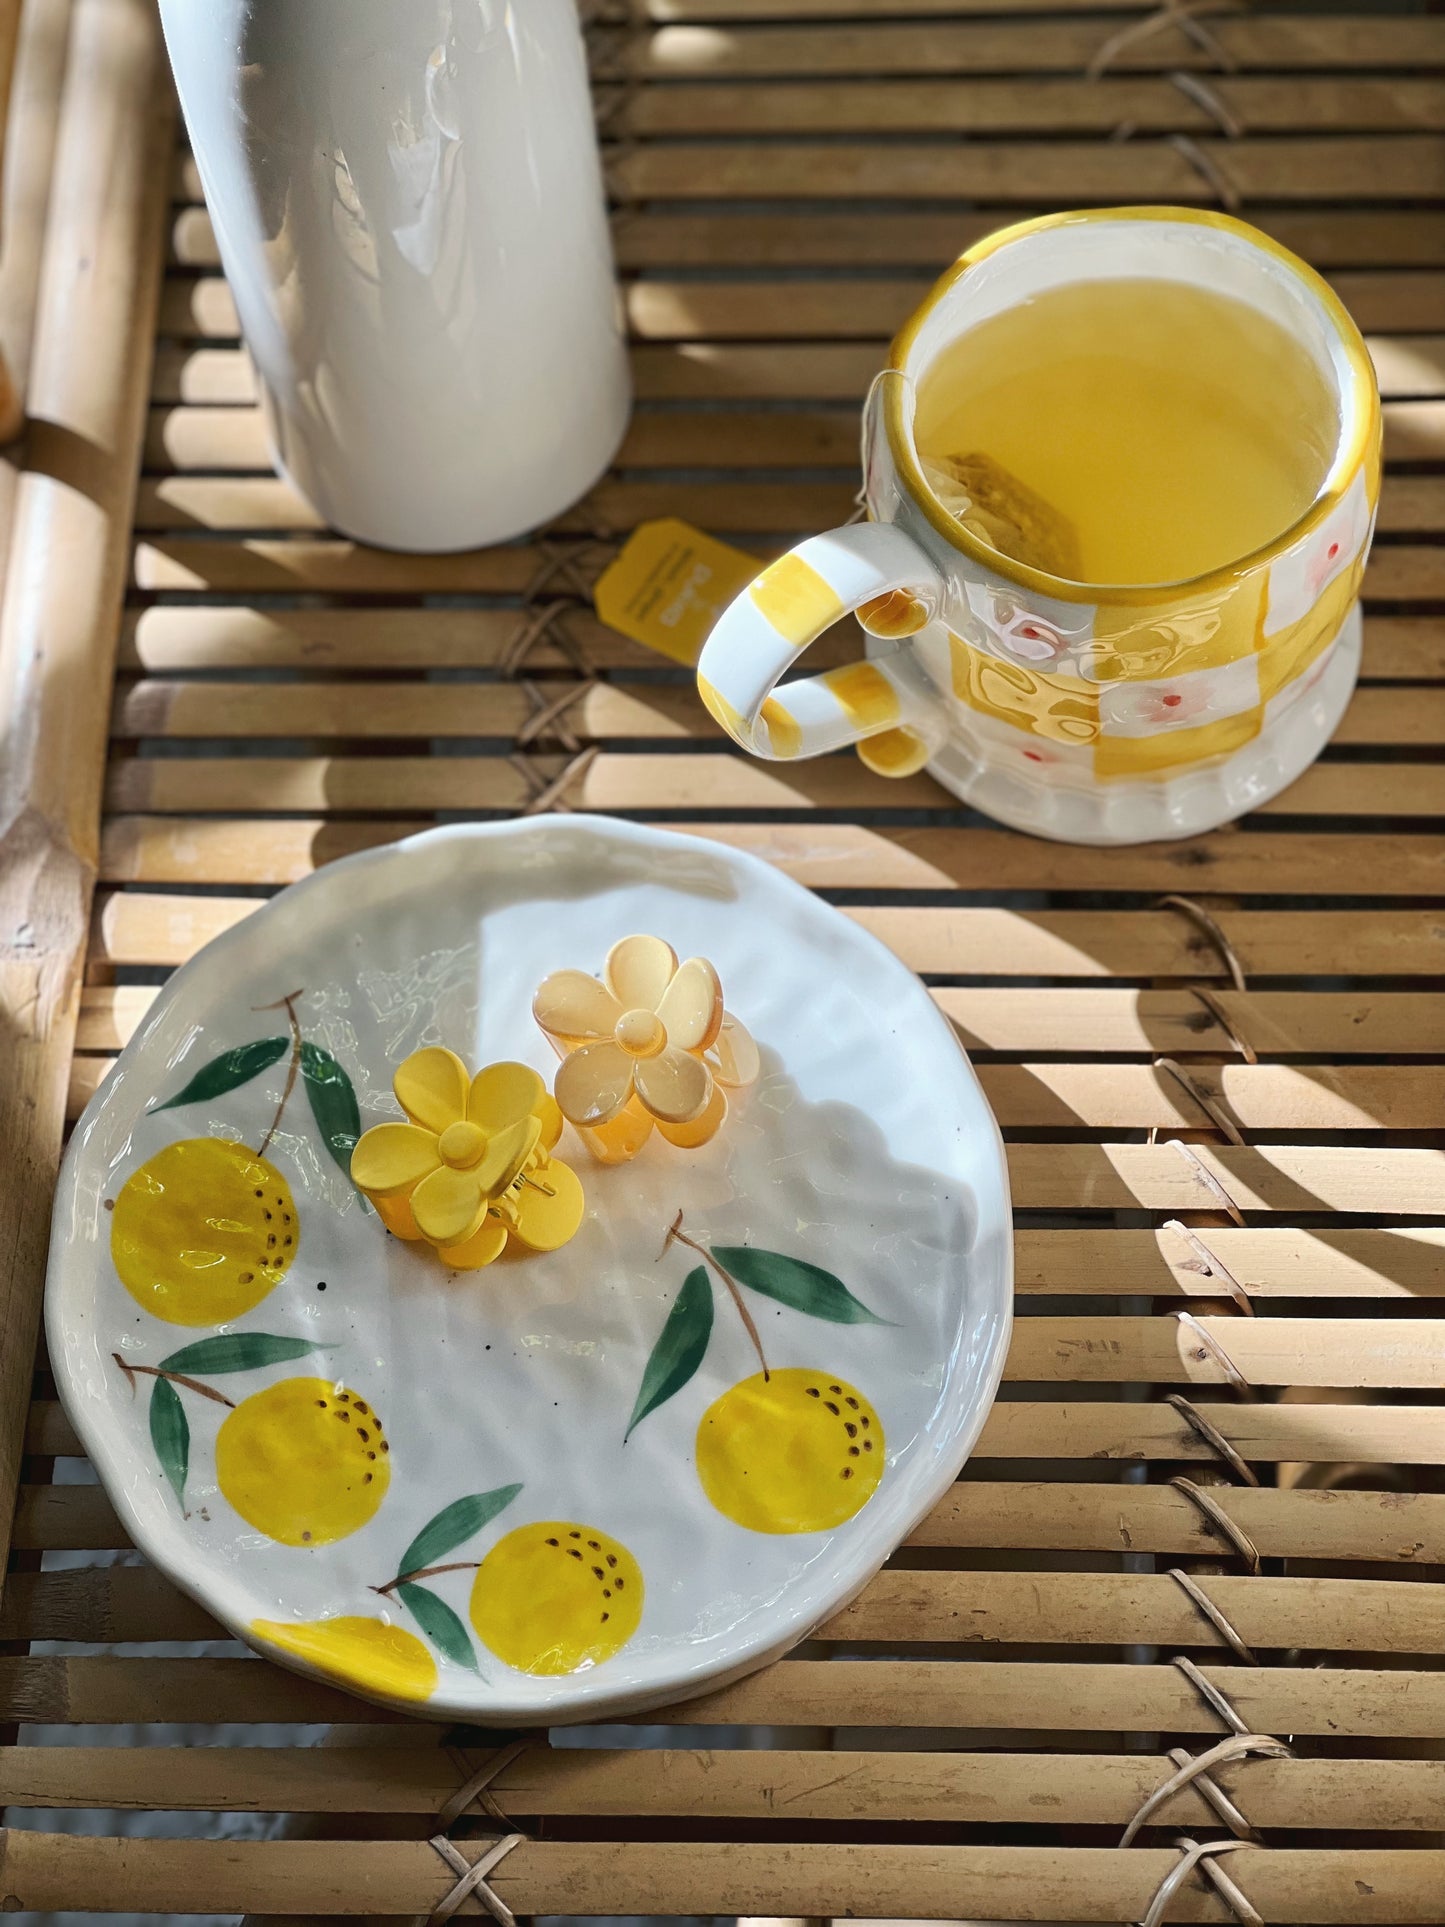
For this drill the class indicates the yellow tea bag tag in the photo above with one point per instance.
(669, 586)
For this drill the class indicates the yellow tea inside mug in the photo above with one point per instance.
(1126, 431)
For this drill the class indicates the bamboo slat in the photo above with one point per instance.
(403, 1877)
(702, 236)
(824, 855)
(1401, 167)
(1094, 1428)
(1087, 1789)
(1257, 103)
(1330, 237)
(970, 943)
(1392, 302)
(1141, 1097)
(1070, 1697)
(1014, 1515)
(1356, 45)
(897, 1608)
(634, 781)
(1409, 367)
(1327, 1024)
(233, 439)
(253, 505)
(393, 711)
(360, 640)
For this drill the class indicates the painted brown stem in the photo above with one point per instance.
(288, 1004)
(676, 1235)
(426, 1572)
(172, 1378)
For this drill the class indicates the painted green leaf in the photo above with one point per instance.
(238, 1352)
(803, 1287)
(454, 1525)
(171, 1436)
(440, 1624)
(229, 1071)
(679, 1349)
(333, 1103)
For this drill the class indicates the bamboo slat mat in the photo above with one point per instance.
(1228, 1158)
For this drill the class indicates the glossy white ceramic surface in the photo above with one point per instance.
(866, 1148)
(409, 208)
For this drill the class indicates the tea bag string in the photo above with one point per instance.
(866, 443)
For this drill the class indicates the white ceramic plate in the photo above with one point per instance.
(865, 1150)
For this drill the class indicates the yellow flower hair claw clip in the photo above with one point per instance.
(472, 1171)
(647, 1047)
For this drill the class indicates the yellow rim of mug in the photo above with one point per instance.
(1364, 397)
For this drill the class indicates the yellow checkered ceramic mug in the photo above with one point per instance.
(1094, 714)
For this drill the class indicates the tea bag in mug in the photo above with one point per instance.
(999, 509)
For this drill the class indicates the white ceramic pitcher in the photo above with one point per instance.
(409, 208)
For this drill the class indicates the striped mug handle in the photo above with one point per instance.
(760, 635)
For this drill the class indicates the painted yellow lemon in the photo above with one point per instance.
(357, 1652)
(305, 1461)
(556, 1597)
(203, 1231)
(797, 1452)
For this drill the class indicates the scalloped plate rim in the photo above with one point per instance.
(597, 1705)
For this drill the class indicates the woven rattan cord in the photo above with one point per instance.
(1216, 1617)
(549, 717)
(1219, 1118)
(1208, 170)
(1198, 1770)
(1201, 1853)
(1205, 165)
(1213, 1698)
(472, 1880)
(565, 566)
(1214, 1004)
(1212, 1437)
(474, 1789)
(1207, 1178)
(1203, 95)
(472, 1877)
(610, 103)
(1208, 1266)
(543, 625)
(1215, 1514)
(550, 794)
(1209, 1346)
(1182, 14)
(1202, 920)
(1210, 1789)
(1241, 1745)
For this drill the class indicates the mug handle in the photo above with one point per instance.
(763, 631)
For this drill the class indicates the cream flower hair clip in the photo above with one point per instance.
(649, 1046)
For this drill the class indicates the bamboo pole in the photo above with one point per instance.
(60, 615)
